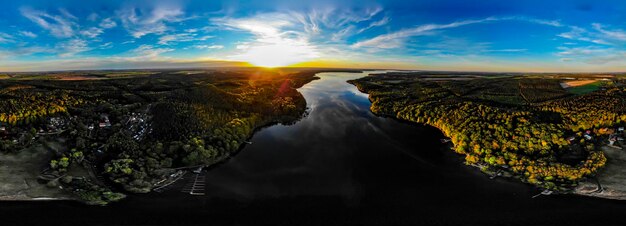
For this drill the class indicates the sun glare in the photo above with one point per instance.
(277, 55)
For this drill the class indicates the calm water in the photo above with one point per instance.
(340, 165)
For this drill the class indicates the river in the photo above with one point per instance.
(340, 165)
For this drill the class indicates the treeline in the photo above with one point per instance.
(157, 123)
(202, 124)
(593, 110)
(523, 139)
(23, 107)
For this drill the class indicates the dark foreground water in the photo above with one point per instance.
(341, 165)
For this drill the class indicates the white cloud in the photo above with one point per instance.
(140, 22)
(382, 22)
(581, 34)
(506, 50)
(597, 35)
(27, 50)
(107, 45)
(182, 37)
(576, 33)
(610, 34)
(149, 52)
(60, 26)
(343, 33)
(277, 39)
(6, 38)
(280, 38)
(397, 39)
(72, 47)
(28, 34)
(595, 55)
(67, 14)
(107, 23)
(553, 23)
(92, 32)
(208, 46)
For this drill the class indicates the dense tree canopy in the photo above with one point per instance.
(516, 124)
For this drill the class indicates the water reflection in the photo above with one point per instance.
(326, 153)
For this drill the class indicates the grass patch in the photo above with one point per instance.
(591, 87)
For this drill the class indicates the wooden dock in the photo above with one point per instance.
(197, 186)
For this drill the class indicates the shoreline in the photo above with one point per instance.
(610, 182)
(584, 188)
(21, 183)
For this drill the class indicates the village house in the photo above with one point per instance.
(3, 130)
(104, 121)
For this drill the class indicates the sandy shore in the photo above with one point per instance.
(18, 177)
(610, 183)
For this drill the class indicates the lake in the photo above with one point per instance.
(339, 165)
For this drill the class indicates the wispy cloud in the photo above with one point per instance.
(616, 34)
(60, 26)
(140, 22)
(108, 23)
(182, 37)
(6, 38)
(208, 46)
(382, 22)
(332, 18)
(505, 50)
(107, 45)
(597, 34)
(275, 34)
(92, 32)
(596, 55)
(581, 34)
(397, 39)
(294, 36)
(149, 52)
(72, 47)
(28, 34)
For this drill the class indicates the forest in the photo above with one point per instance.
(134, 129)
(528, 126)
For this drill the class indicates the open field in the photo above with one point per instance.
(586, 88)
(77, 78)
(576, 83)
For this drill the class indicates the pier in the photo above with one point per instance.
(197, 186)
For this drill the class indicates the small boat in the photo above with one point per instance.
(247, 142)
(445, 140)
(544, 192)
(496, 174)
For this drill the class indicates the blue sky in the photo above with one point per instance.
(431, 35)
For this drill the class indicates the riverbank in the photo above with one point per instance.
(610, 182)
(19, 174)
